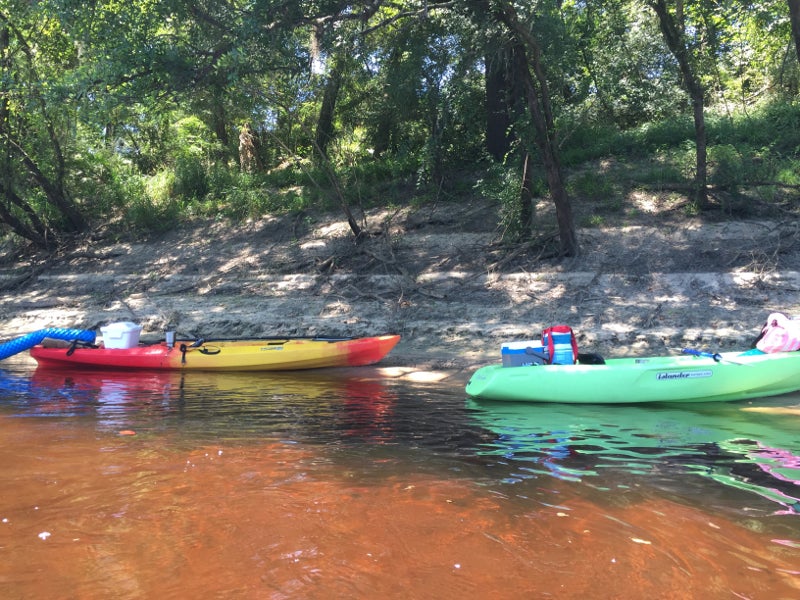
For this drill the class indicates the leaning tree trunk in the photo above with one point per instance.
(33, 230)
(53, 189)
(53, 186)
(672, 29)
(15, 212)
(325, 129)
(537, 97)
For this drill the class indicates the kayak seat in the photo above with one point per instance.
(590, 358)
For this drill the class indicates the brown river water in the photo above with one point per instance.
(352, 485)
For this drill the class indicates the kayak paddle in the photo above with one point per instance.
(715, 355)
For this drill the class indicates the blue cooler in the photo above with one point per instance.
(523, 354)
(562, 348)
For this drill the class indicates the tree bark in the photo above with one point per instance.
(537, 96)
(53, 186)
(325, 129)
(53, 189)
(33, 230)
(219, 121)
(498, 106)
(672, 29)
(526, 195)
(794, 18)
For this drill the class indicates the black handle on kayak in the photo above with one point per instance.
(184, 348)
(716, 356)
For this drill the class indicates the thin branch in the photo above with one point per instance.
(407, 14)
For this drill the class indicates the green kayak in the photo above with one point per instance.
(694, 377)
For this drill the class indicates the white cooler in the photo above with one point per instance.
(121, 335)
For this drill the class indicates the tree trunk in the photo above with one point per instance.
(526, 196)
(538, 102)
(33, 230)
(52, 187)
(219, 121)
(672, 30)
(498, 114)
(794, 17)
(325, 129)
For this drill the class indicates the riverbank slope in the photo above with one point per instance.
(653, 282)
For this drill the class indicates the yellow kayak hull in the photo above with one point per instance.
(287, 354)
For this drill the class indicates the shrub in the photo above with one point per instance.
(191, 181)
(725, 167)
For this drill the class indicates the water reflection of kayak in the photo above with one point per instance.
(720, 440)
(622, 429)
(312, 384)
(63, 392)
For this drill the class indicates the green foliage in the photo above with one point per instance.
(788, 172)
(726, 167)
(190, 181)
(745, 147)
(669, 133)
(97, 180)
(133, 109)
(595, 187)
(588, 142)
(144, 203)
(775, 125)
(144, 213)
(244, 202)
(584, 141)
(503, 185)
(658, 171)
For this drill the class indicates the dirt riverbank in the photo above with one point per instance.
(652, 283)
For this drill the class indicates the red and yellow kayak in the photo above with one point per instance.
(278, 354)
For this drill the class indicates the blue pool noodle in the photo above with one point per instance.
(29, 340)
